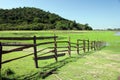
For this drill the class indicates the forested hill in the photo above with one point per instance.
(28, 18)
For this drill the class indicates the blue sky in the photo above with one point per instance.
(99, 14)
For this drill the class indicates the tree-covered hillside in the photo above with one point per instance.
(28, 18)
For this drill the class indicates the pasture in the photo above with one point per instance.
(94, 65)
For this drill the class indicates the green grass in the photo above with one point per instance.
(99, 65)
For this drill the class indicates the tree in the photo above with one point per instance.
(29, 18)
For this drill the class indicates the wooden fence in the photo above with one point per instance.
(80, 45)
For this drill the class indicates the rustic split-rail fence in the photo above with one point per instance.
(79, 45)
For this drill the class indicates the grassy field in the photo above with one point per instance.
(95, 65)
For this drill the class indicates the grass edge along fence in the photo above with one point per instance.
(86, 44)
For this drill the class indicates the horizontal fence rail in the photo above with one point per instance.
(84, 45)
(16, 44)
(27, 38)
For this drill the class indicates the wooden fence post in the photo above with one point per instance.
(55, 48)
(94, 45)
(69, 47)
(77, 46)
(88, 45)
(35, 52)
(84, 46)
(0, 55)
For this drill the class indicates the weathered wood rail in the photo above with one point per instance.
(80, 45)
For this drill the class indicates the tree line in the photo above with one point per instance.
(30, 18)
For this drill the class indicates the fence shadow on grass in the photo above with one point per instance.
(49, 69)
(53, 67)
(5, 78)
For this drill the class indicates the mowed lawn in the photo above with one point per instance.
(103, 64)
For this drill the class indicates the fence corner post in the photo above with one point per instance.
(69, 47)
(77, 46)
(55, 48)
(84, 47)
(0, 60)
(0, 56)
(88, 45)
(35, 52)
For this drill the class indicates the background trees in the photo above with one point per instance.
(28, 18)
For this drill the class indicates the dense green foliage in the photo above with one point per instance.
(36, 19)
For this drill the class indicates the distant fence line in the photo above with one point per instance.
(84, 45)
